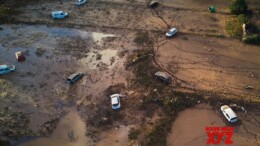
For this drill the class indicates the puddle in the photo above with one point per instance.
(70, 131)
(189, 127)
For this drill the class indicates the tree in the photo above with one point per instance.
(238, 7)
(242, 18)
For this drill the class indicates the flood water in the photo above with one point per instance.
(70, 131)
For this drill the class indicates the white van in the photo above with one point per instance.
(229, 113)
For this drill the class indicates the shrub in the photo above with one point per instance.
(242, 18)
(133, 133)
(234, 29)
(238, 7)
(254, 39)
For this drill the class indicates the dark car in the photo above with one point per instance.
(153, 4)
(75, 77)
(163, 76)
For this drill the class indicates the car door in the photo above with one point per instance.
(2, 71)
(7, 70)
(76, 78)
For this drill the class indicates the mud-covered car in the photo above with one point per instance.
(171, 32)
(163, 76)
(228, 113)
(80, 2)
(59, 14)
(153, 4)
(115, 101)
(75, 77)
(4, 69)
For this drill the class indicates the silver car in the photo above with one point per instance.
(59, 14)
(171, 32)
(163, 76)
(80, 2)
(75, 77)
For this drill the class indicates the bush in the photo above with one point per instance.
(242, 18)
(238, 7)
(133, 133)
(234, 29)
(254, 39)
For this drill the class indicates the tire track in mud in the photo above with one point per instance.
(185, 84)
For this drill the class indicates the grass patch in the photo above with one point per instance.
(234, 29)
(158, 134)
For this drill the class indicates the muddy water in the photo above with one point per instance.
(189, 127)
(70, 131)
(115, 137)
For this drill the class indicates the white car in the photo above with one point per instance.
(229, 113)
(171, 32)
(59, 14)
(4, 69)
(80, 2)
(115, 101)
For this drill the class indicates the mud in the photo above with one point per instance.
(100, 39)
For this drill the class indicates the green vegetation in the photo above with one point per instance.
(238, 7)
(234, 29)
(254, 39)
(158, 135)
(7, 89)
(243, 19)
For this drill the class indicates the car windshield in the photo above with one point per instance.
(115, 104)
(234, 118)
(173, 31)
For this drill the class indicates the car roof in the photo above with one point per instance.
(74, 74)
(114, 100)
(173, 29)
(153, 2)
(57, 12)
(3, 66)
(163, 74)
(229, 111)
